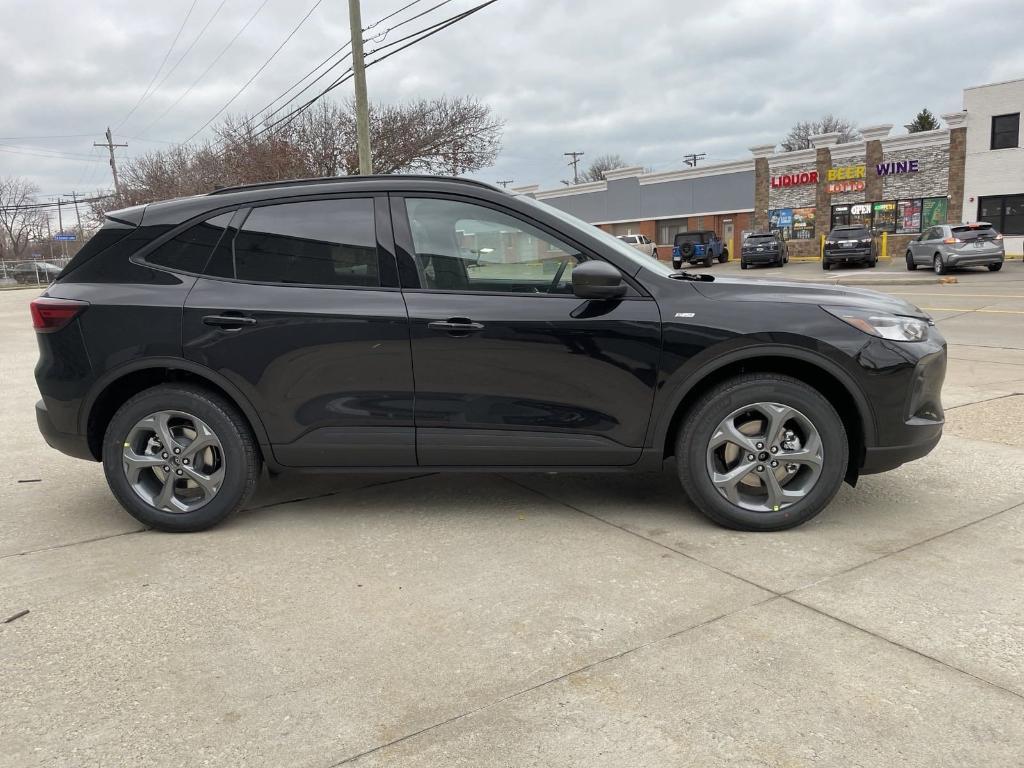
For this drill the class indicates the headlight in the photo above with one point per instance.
(883, 324)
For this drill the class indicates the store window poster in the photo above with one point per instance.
(933, 212)
(908, 216)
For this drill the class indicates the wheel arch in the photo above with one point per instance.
(112, 390)
(822, 374)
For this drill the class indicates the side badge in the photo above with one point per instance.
(684, 314)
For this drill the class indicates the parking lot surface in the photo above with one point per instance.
(548, 620)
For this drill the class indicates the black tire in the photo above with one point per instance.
(743, 264)
(938, 265)
(708, 412)
(872, 263)
(709, 260)
(995, 267)
(241, 457)
(911, 265)
(723, 256)
(826, 266)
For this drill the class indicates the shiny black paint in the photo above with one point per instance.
(348, 378)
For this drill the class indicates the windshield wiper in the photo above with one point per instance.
(682, 275)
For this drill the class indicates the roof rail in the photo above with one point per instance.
(335, 179)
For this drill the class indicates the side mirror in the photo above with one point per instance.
(597, 280)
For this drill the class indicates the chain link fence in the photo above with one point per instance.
(34, 272)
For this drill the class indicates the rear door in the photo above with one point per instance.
(511, 368)
(300, 308)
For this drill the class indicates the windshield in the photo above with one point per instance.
(635, 256)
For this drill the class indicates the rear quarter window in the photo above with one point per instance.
(188, 251)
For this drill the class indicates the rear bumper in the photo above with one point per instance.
(764, 257)
(847, 254)
(72, 444)
(974, 259)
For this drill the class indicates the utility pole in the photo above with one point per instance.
(505, 182)
(575, 165)
(355, 23)
(74, 198)
(60, 228)
(110, 145)
(49, 235)
(692, 158)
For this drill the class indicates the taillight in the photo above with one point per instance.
(49, 315)
(999, 237)
(951, 240)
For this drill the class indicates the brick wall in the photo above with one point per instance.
(873, 182)
(848, 197)
(932, 180)
(822, 198)
(762, 185)
(956, 161)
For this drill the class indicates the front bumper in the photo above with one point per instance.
(919, 429)
(71, 444)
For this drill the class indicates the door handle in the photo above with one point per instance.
(229, 322)
(455, 325)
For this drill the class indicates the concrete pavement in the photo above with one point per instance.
(529, 619)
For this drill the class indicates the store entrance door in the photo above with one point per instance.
(727, 236)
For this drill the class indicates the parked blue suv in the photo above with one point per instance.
(698, 248)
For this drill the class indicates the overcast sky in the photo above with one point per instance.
(647, 79)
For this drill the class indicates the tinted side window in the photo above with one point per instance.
(323, 242)
(189, 250)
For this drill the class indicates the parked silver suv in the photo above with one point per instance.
(952, 246)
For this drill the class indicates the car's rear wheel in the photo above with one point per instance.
(995, 267)
(911, 265)
(938, 266)
(762, 452)
(723, 256)
(180, 458)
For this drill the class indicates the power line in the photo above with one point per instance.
(67, 158)
(209, 67)
(310, 85)
(160, 68)
(186, 51)
(424, 33)
(256, 73)
(391, 15)
(402, 23)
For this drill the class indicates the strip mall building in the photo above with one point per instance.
(894, 184)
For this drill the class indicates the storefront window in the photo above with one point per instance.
(668, 229)
(803, 223)
(908, 216)
(792, 223)
(781, 220)
(1005, 213)
(884, 214)
(933, 211)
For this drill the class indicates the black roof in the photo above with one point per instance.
(346, 180)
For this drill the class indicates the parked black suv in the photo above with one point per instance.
(852, 244)
(398, 323)
(763, 248)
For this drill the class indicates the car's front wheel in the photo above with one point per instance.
(743, 264)
(762, 452)
(938, 265)
(180, 458)
(911, 265)
(995, 267)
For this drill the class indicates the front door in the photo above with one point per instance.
(727, 235)
(511, 369)
(300, 309)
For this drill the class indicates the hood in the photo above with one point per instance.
(740, 289)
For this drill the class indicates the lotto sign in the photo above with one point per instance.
(836, 187)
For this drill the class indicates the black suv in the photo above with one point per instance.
(412, 323)
(763, 248)
(852, 244)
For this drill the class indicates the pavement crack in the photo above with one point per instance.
(74, 543)
(558, 678)
(986, 400)
(907, 648)
(644, 538)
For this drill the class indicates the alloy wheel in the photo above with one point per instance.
(764, 457)
(173, 461)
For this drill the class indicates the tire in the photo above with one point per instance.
(236, 459)
(743, 264)
(723, 256)
(707, 414)
(709, 260)
(826, 266)
(938, 266)
(911, 265)
(872, 263)
(995, 267)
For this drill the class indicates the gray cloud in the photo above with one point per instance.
(648, 79)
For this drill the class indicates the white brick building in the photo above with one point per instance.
(994, 167)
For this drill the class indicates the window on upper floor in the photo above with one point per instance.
(1006, 131)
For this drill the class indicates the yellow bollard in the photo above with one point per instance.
(885, 245)
(821, 248)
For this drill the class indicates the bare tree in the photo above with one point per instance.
(602, 163)
(444, 135)
(799, 136)
(19, 223)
